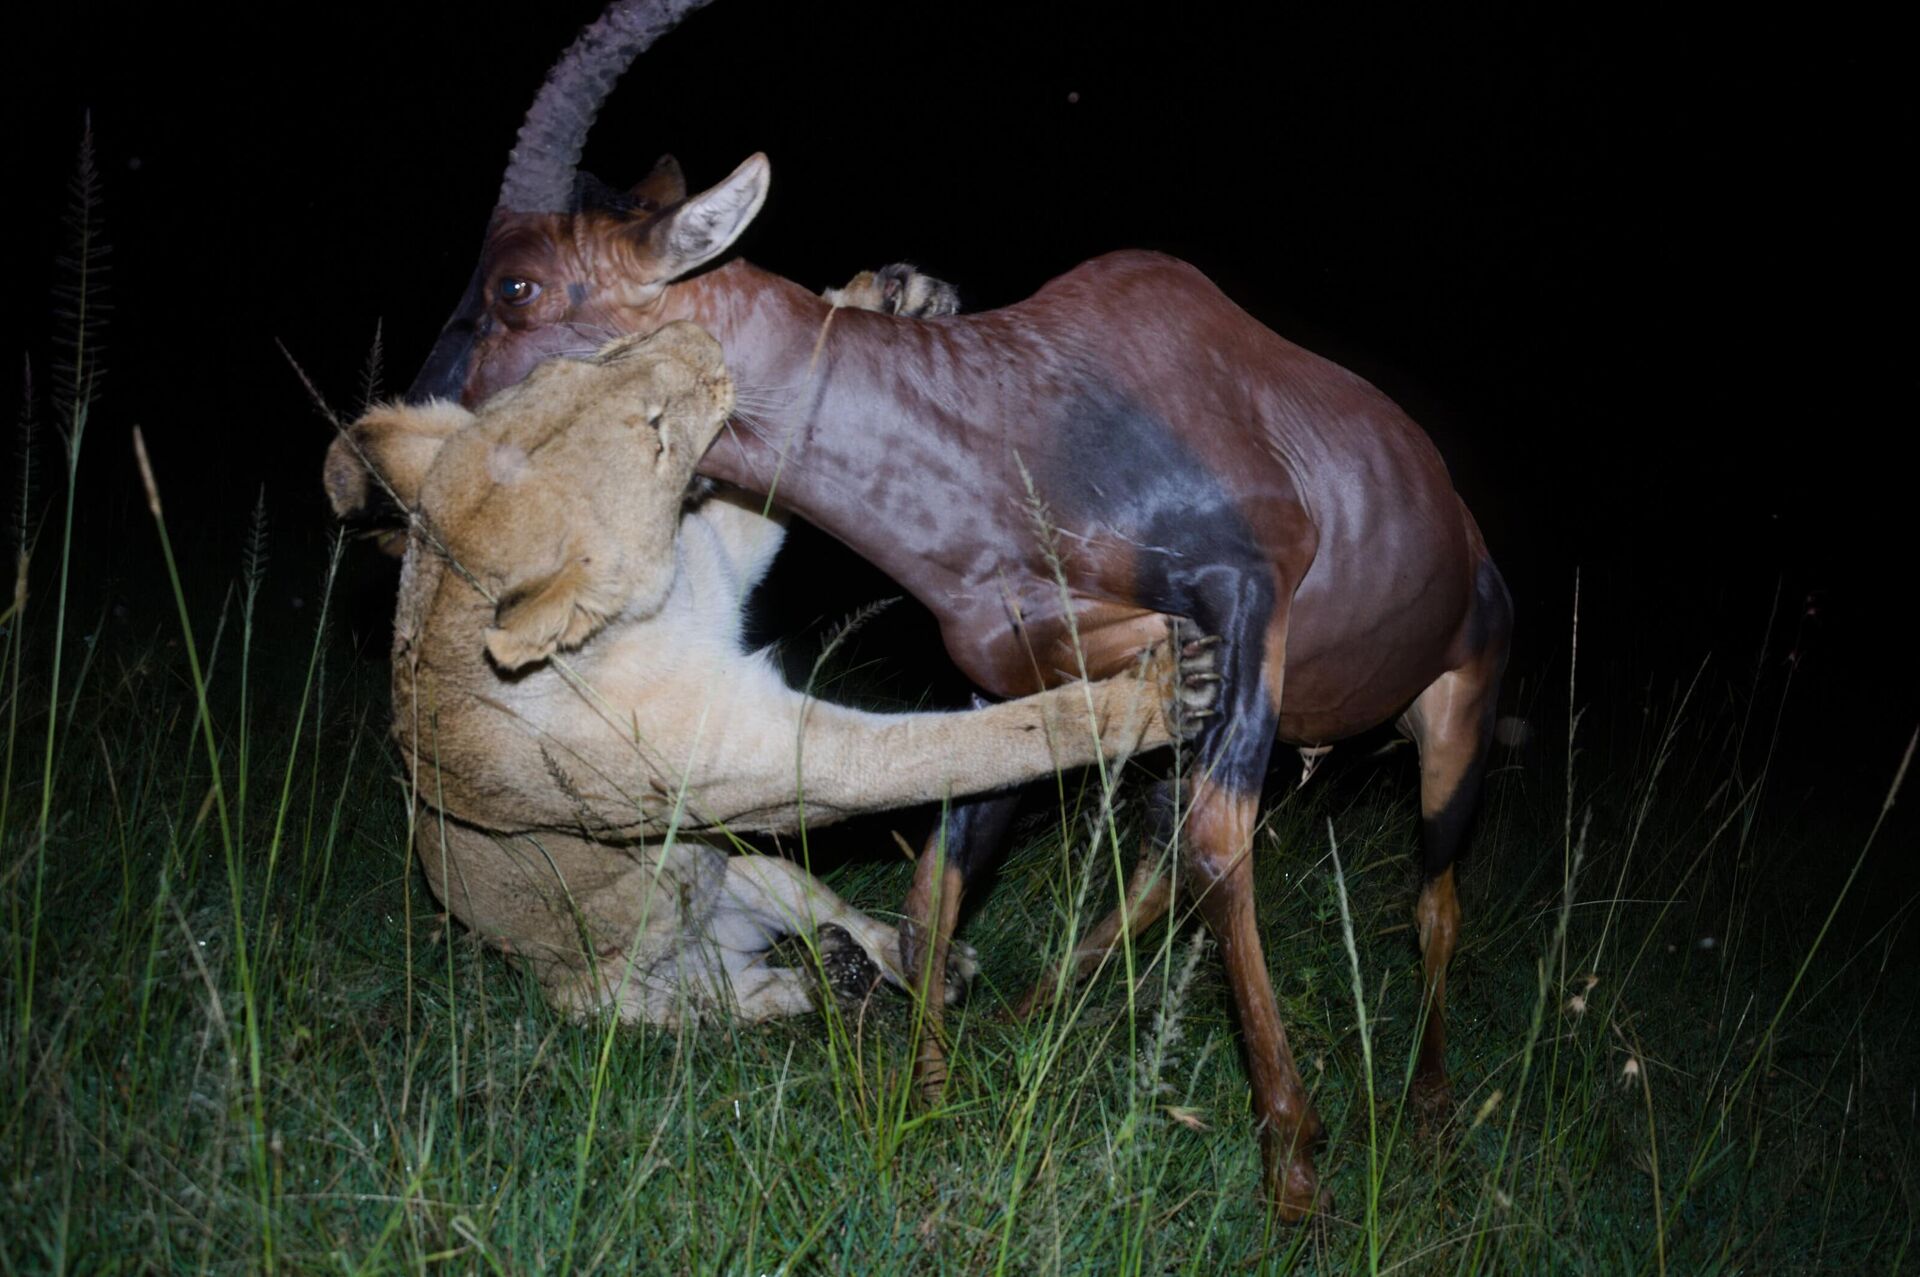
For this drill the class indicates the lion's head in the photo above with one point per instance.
(562, 495)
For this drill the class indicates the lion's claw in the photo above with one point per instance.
(1197, 679)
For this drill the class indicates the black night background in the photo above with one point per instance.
(1644, 276)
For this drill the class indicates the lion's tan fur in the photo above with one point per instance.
(572, 691)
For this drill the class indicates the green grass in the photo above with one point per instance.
(252, 1039)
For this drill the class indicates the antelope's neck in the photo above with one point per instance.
(827, 425)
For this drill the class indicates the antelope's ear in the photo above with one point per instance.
(534, 621)
(688, 237)
(665, 185)
(396, 440)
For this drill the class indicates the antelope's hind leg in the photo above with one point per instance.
(1452, 726)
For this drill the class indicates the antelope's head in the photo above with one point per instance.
(570, 263)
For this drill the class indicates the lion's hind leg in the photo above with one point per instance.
(773, 897)
(761, 992)
(766, 897)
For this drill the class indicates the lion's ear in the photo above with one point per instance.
(397, 441)
(560, 611)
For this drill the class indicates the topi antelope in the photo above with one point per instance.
(1189, 462)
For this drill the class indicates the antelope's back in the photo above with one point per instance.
(1238, 443)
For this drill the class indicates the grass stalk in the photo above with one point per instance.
(1366, 1055)
(250, 1007)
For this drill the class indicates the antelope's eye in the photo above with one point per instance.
(515, 291)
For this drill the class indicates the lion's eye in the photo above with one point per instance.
(515, 291)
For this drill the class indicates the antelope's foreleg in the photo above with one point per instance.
(1221, 870)
(1219, 866)
(969, 838)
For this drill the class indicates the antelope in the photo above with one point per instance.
(1190, 463)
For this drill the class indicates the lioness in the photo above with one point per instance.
(573, 696)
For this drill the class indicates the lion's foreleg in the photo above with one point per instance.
(857, 762)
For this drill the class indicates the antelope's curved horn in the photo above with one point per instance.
(540, 171)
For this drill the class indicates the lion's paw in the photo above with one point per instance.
(850, 973)
(899, 289)
(1193, 690)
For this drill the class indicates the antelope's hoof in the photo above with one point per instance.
(1296, 1195)
(1293, 1186)
(1196, 679)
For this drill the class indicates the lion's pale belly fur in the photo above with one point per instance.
(644, 718)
